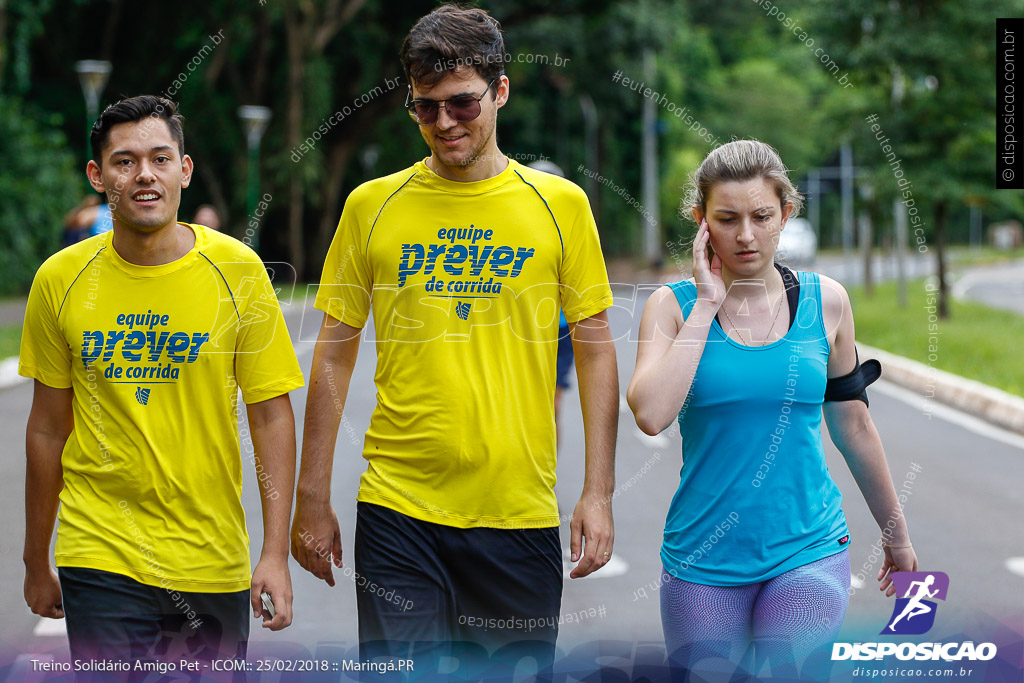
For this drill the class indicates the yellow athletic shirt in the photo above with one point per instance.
(155, 356)
(465, 282)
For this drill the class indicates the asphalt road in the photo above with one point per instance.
(964, 512)
(850, 271)
(1001, 286)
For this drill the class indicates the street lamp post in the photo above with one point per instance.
(254, 122)
(93, 75)
(649, 179)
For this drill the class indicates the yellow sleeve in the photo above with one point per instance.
(45, 354)
(583, 278)
(346, 282)
(265, 362)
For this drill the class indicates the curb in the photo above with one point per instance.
(988, 403)
(9, 376)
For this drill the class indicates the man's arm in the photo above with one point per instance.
(49, 425)
(272, 424)
(598, 380)
(316, 536)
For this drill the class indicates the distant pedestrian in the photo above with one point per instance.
(207, 215)
(564, 363)
(88, 219)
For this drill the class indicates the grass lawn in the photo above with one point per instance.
(964, 256)
(976, 342)
(957, 255)
(10, 340)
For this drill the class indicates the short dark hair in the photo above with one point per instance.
(136, 109)
(450, 37)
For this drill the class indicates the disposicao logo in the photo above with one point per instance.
(914, 614)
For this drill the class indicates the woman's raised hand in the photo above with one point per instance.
(707, 273)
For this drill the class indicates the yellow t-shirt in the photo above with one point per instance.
(155, 356)
(465, 282)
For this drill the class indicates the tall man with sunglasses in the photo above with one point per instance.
(464, 260)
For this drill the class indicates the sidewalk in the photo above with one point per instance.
(12, 311)
(974, 398)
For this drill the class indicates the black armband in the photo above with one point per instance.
(854, 384)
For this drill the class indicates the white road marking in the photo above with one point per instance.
(656, 441)
(963, 285)
(9, 376)
(616, 567)
(1006, 276)
(50, 627)
(951, 415)
(1015, 565)
(857, 582)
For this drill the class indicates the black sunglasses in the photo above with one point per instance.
(462, 108)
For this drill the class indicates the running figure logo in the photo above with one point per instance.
(913, 613)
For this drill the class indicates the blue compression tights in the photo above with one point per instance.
(785, 618)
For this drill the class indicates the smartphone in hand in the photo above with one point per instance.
(268, 604)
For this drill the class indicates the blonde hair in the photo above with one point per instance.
(740, 161)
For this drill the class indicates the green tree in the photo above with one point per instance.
(39, 182)
(927, 70)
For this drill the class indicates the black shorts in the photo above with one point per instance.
(425, 589)
(113, 617)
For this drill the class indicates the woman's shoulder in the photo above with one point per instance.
(682, 291)
(832, 291)
(833, 294)
(672, 296)
(835, 301)
(681, 286)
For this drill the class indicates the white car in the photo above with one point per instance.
(798, 245)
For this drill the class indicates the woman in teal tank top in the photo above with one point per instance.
(747, 357)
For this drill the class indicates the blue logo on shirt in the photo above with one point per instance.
(142, 395)
(462, 310)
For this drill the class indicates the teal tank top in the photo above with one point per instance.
(755, 497)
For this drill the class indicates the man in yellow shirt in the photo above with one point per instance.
(139, 340)
(464, 260)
